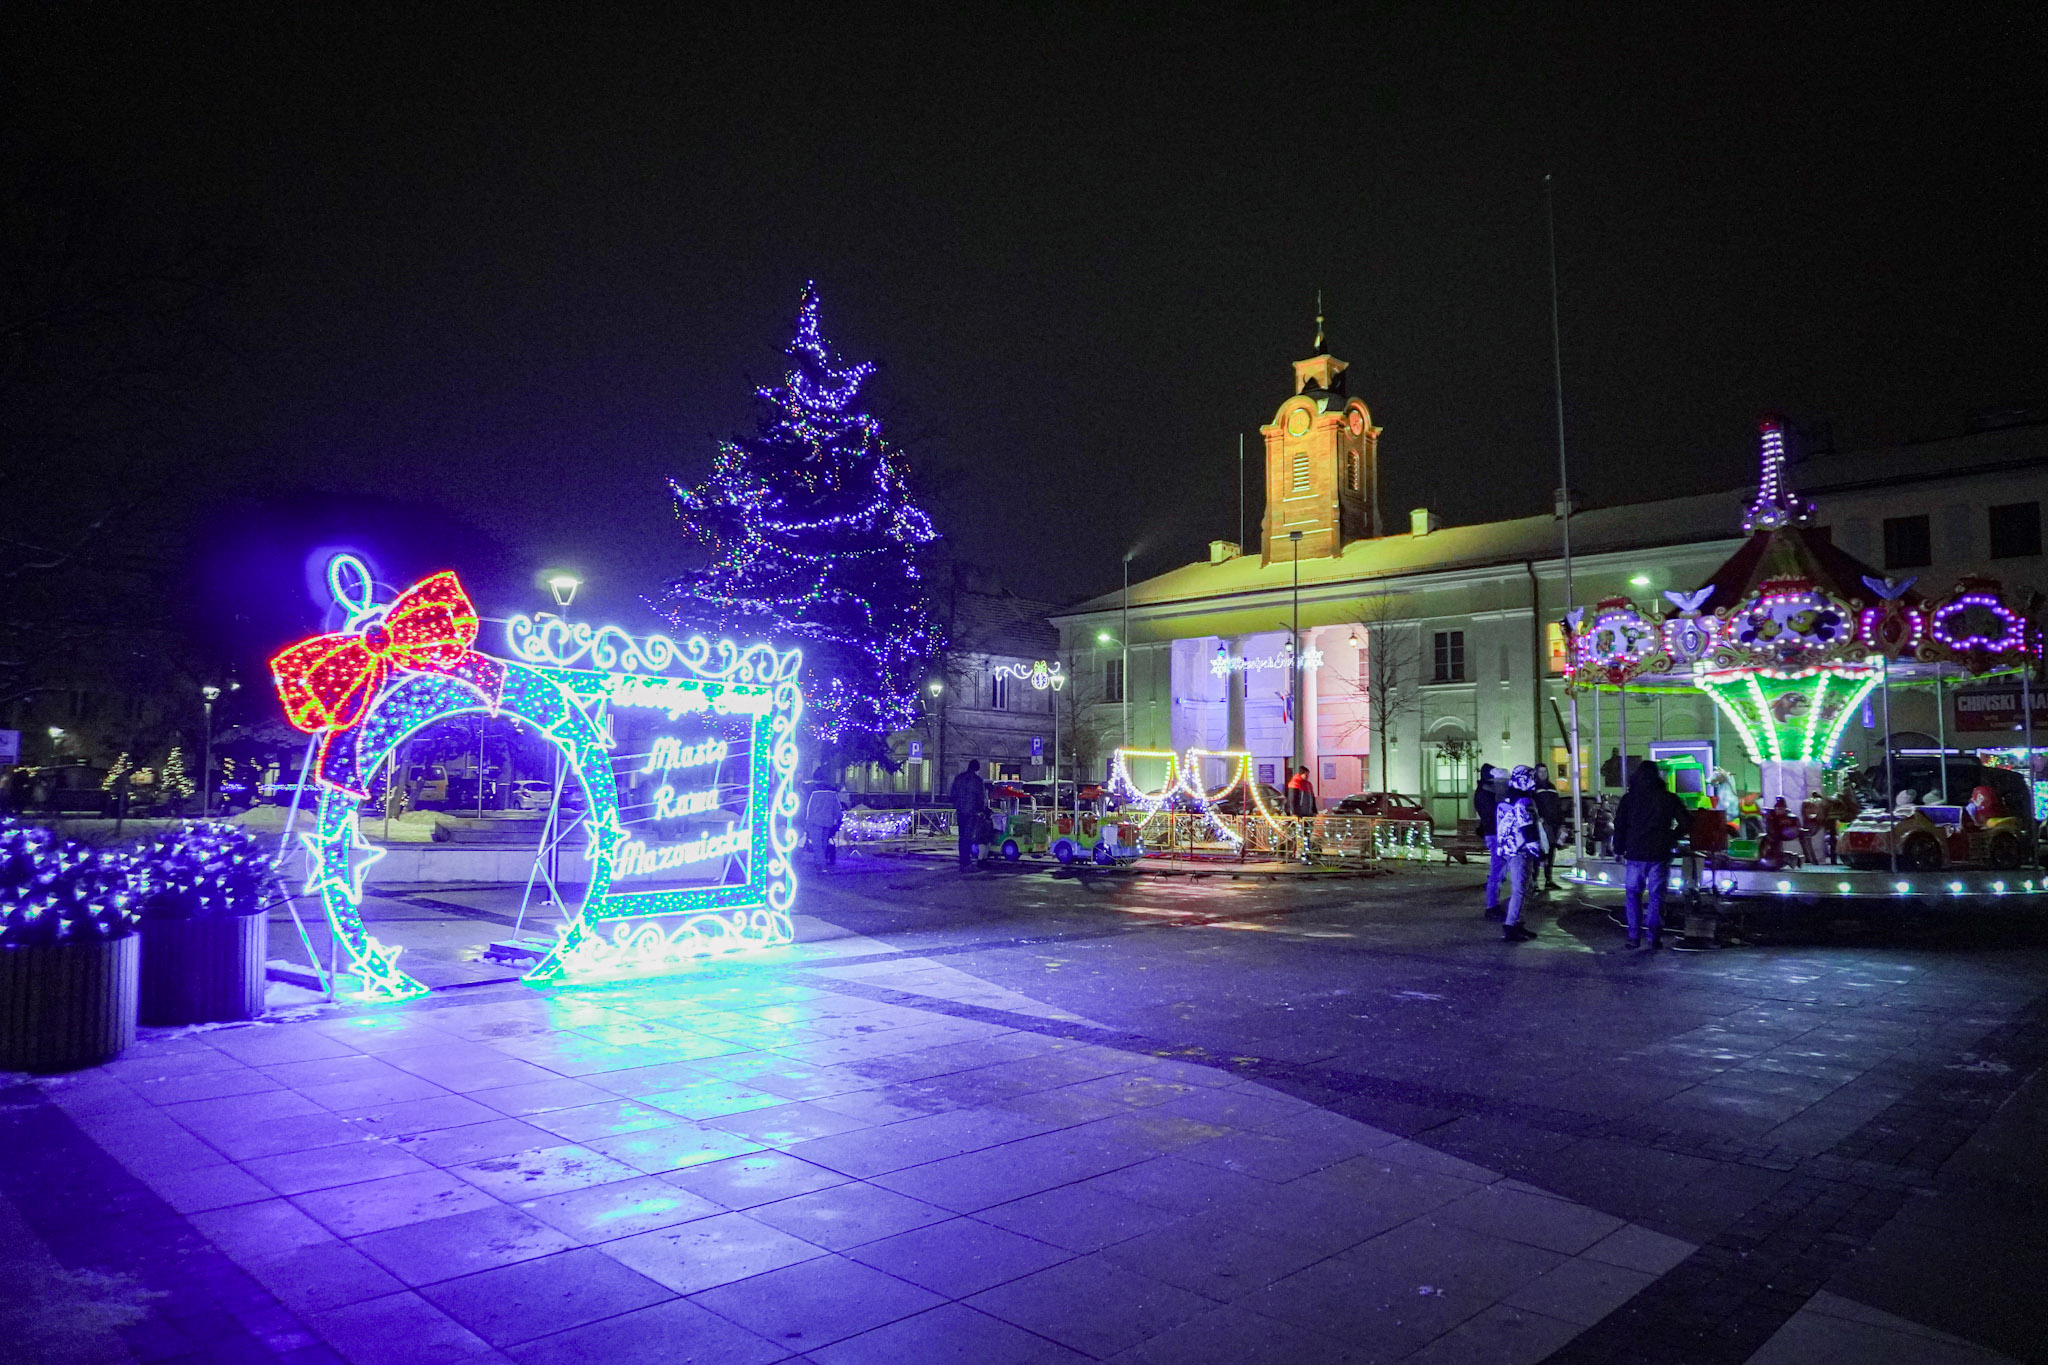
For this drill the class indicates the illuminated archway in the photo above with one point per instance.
(668, 881)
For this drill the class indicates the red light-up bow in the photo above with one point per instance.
(328, 682)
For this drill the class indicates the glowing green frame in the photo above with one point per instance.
(567, 705)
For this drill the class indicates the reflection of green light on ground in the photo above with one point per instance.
(635, 1210)
(712, 1099)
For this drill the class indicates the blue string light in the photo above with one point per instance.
(813, 537)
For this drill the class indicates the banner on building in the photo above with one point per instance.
(1985, 709)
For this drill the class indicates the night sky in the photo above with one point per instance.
(522, 270)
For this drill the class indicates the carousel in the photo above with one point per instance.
(1793, 639)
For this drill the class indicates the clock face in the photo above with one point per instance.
(1297, 422)
(1357, 422)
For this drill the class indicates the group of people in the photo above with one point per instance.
(1521, 817)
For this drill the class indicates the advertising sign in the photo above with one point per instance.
(10, 748)
(1984, 709)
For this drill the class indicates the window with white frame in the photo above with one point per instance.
(999, 693)
(1299, 484)
(1113, 679)
(1449, 657)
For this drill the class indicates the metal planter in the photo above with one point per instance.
(202, 971)
(67, 1005)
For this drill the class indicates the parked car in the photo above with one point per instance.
(535, 793)
(1237, 801)
(1382, 806)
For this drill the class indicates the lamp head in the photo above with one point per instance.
(210, 692)
(935, 687)
(56, 732)
(1103, 637)
(563, 585)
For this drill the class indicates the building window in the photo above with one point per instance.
(998, 694)
(1908, 542)
(1553, 641)
(1351, 471)
(1300, 477)
(1112, 679)
(2015, 530)
(1450, 656)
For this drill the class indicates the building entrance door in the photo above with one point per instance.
(1448, 777)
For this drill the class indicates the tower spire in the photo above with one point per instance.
(1776, 504)
(1319, 323)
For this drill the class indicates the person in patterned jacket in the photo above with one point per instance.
(1520, 840)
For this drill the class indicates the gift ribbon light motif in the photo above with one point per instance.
(328, 682)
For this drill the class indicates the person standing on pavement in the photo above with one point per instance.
(823, 811)
(1519, 842)
(1485, 804)
(1550, 810)
(1301, 794)
(1646, 827)
(970, 808)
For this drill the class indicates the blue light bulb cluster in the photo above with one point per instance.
(55, 890)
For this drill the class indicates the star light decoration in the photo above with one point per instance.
(813, 537)
(360, 725)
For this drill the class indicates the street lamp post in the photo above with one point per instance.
(1125, 642)
(210, 694)
(936, 687)
(1294, 653)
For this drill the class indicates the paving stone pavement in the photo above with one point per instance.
(740, 1167)
(860, 1149)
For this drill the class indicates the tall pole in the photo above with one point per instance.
(1294, 656)
(1891, 793)
(2027, 710)
(1564, 487)
(1124, 643)
(1941, 733)
(206, 761)
(1240, 493)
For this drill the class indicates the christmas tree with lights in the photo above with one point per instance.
(814, 540)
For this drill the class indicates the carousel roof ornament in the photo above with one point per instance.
(1776, 503)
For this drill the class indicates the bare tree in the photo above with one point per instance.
(1390, 671)
(1086, 724)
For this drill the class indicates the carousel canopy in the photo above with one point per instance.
(1791, 632)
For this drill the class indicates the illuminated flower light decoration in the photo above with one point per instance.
(1975, 625)
(813, 537)
(1688, 636)
(1617, 645)
(393, 669)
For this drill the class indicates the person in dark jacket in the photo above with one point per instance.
(1518, 842)
(1485, 804)
(1646, 827)
(1550, 810)
(970, 808)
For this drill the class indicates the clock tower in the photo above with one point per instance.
(1322, 464)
